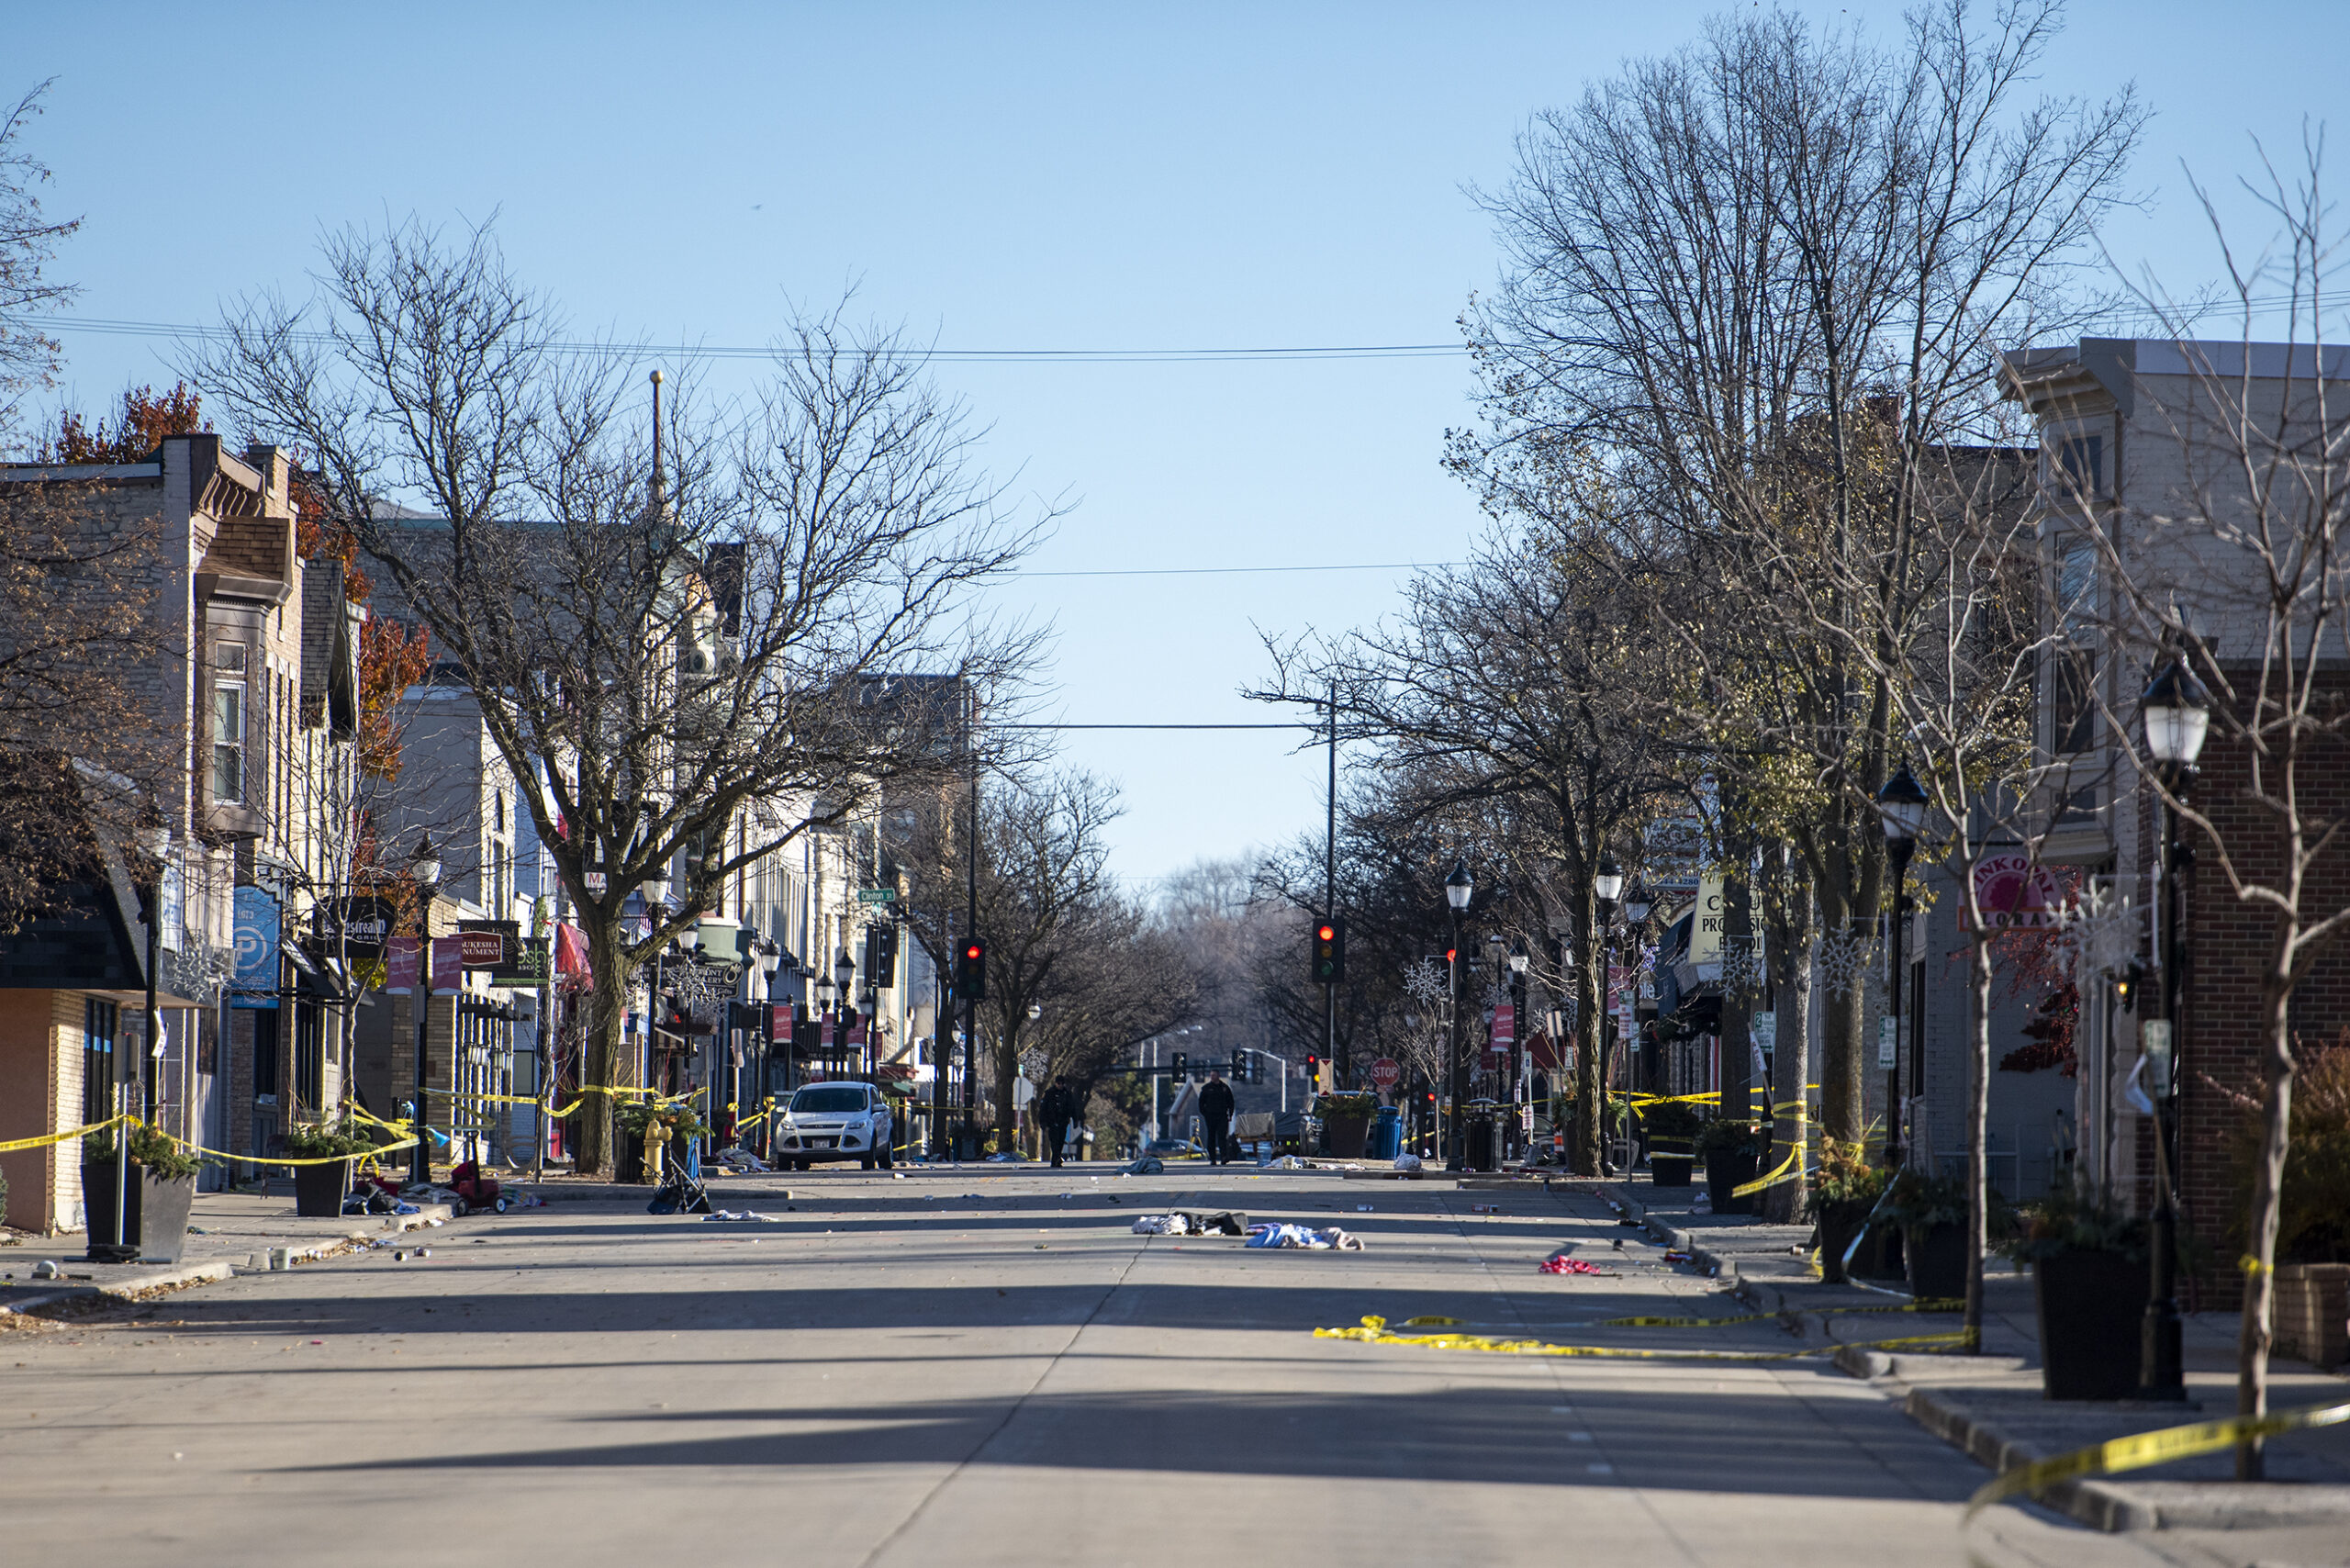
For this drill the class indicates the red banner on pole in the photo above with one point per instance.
(400, 953)
(1505, 1026)
(448, 965)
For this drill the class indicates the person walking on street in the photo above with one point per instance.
(1215, 1114)
(1060, 1111)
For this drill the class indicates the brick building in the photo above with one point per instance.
(249, 679)
(2137, 442)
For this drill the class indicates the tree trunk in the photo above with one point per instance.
(591, 1124)
(2268, 1175)
(1591, 1022)
(1978, 1122)
(1790, 1059)
(1843, 1106)
(1007, 1064)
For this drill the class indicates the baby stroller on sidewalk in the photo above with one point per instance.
(681, 1193)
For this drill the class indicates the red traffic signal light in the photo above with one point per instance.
(1329, 959)
(971, 971)
(1451, 954)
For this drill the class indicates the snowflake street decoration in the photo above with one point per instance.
(2102, 937)
(1425, 982)
(1743, 971)
(1843, 959)
(699, 988)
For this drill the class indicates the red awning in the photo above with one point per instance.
(1544, 1053)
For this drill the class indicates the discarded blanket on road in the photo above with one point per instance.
(1324, 1241)
(1191, 1222)
(1566, 1265)
(734, 1216)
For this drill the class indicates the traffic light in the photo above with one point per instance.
(1329, 945)
(971, 971)
(1239, 1071)
(1182, 1064)
(1314, 1072)
(881, 955)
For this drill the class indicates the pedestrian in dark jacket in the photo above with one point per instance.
(1058, 1110)
(1215, 1114)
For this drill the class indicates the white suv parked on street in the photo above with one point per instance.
(835, 1121)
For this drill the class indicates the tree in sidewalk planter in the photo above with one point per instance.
(326, 1140)
(2228, 577)
(1518, 702)
(1757, 271)
(685, 664)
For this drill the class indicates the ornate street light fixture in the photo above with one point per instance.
(2176, 713)
(1457, 887)
(1901, 804)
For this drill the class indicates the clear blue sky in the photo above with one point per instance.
(1004, 177)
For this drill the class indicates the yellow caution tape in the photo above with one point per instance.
(47, 1138)
(1788, 1170)
(2151, 1447)
(1374, 1331)
(363, 1155)
(1707, 1322)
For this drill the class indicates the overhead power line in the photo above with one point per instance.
(1217, 571)
(179, 330)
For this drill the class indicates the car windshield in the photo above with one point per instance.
(833, 1098)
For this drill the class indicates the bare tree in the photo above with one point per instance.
(2237, 567)
(28, 358)
(661, 640)
(1520, 679)
(1761, 276)
(1061, 942)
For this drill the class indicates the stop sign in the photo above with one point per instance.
(1386, 1073)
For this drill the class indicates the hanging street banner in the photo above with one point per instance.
(2016, 893)
(448, 965)
(400, 953)
(1505, 1029)
(255, 982)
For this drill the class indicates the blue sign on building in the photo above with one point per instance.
(255, 984)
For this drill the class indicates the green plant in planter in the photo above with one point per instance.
(1352, 1102)
(677, 1115)
(324, 1140)
(1923, 1202)
(1671, 1125)
(1845, 1179)
(1727, 1136)
(163, 1158)
(2073, 1220)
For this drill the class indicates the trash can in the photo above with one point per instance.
(1479, 1127)
(1386, 1134)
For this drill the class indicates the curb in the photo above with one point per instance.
(2097, 1503)
(220, 1269)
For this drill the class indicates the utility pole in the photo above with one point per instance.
(971, 909)
(1330, 896)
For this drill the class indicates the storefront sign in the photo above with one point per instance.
(1706, 931)
(482, 949)
(533, 966)
(2016, 893)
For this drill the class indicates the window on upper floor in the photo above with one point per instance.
(229, 742)
(2080, 463)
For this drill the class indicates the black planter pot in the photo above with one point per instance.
(1937, 1259)
(319, 1189)
(1838, 1223)
(1725, 1171)
(2092, 1307)
(1346, 1136)
(164, 1205)
(1671, 1169)
(154, 1222)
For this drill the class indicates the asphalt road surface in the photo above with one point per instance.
(967, 1367)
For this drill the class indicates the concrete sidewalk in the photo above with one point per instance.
(1991, 1405)
(227, 1232)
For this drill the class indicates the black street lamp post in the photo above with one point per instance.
(1637, 905)
(1456, 889)
(424, 866)
(1902, 804)
(1607, 887)
(2176, 713)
